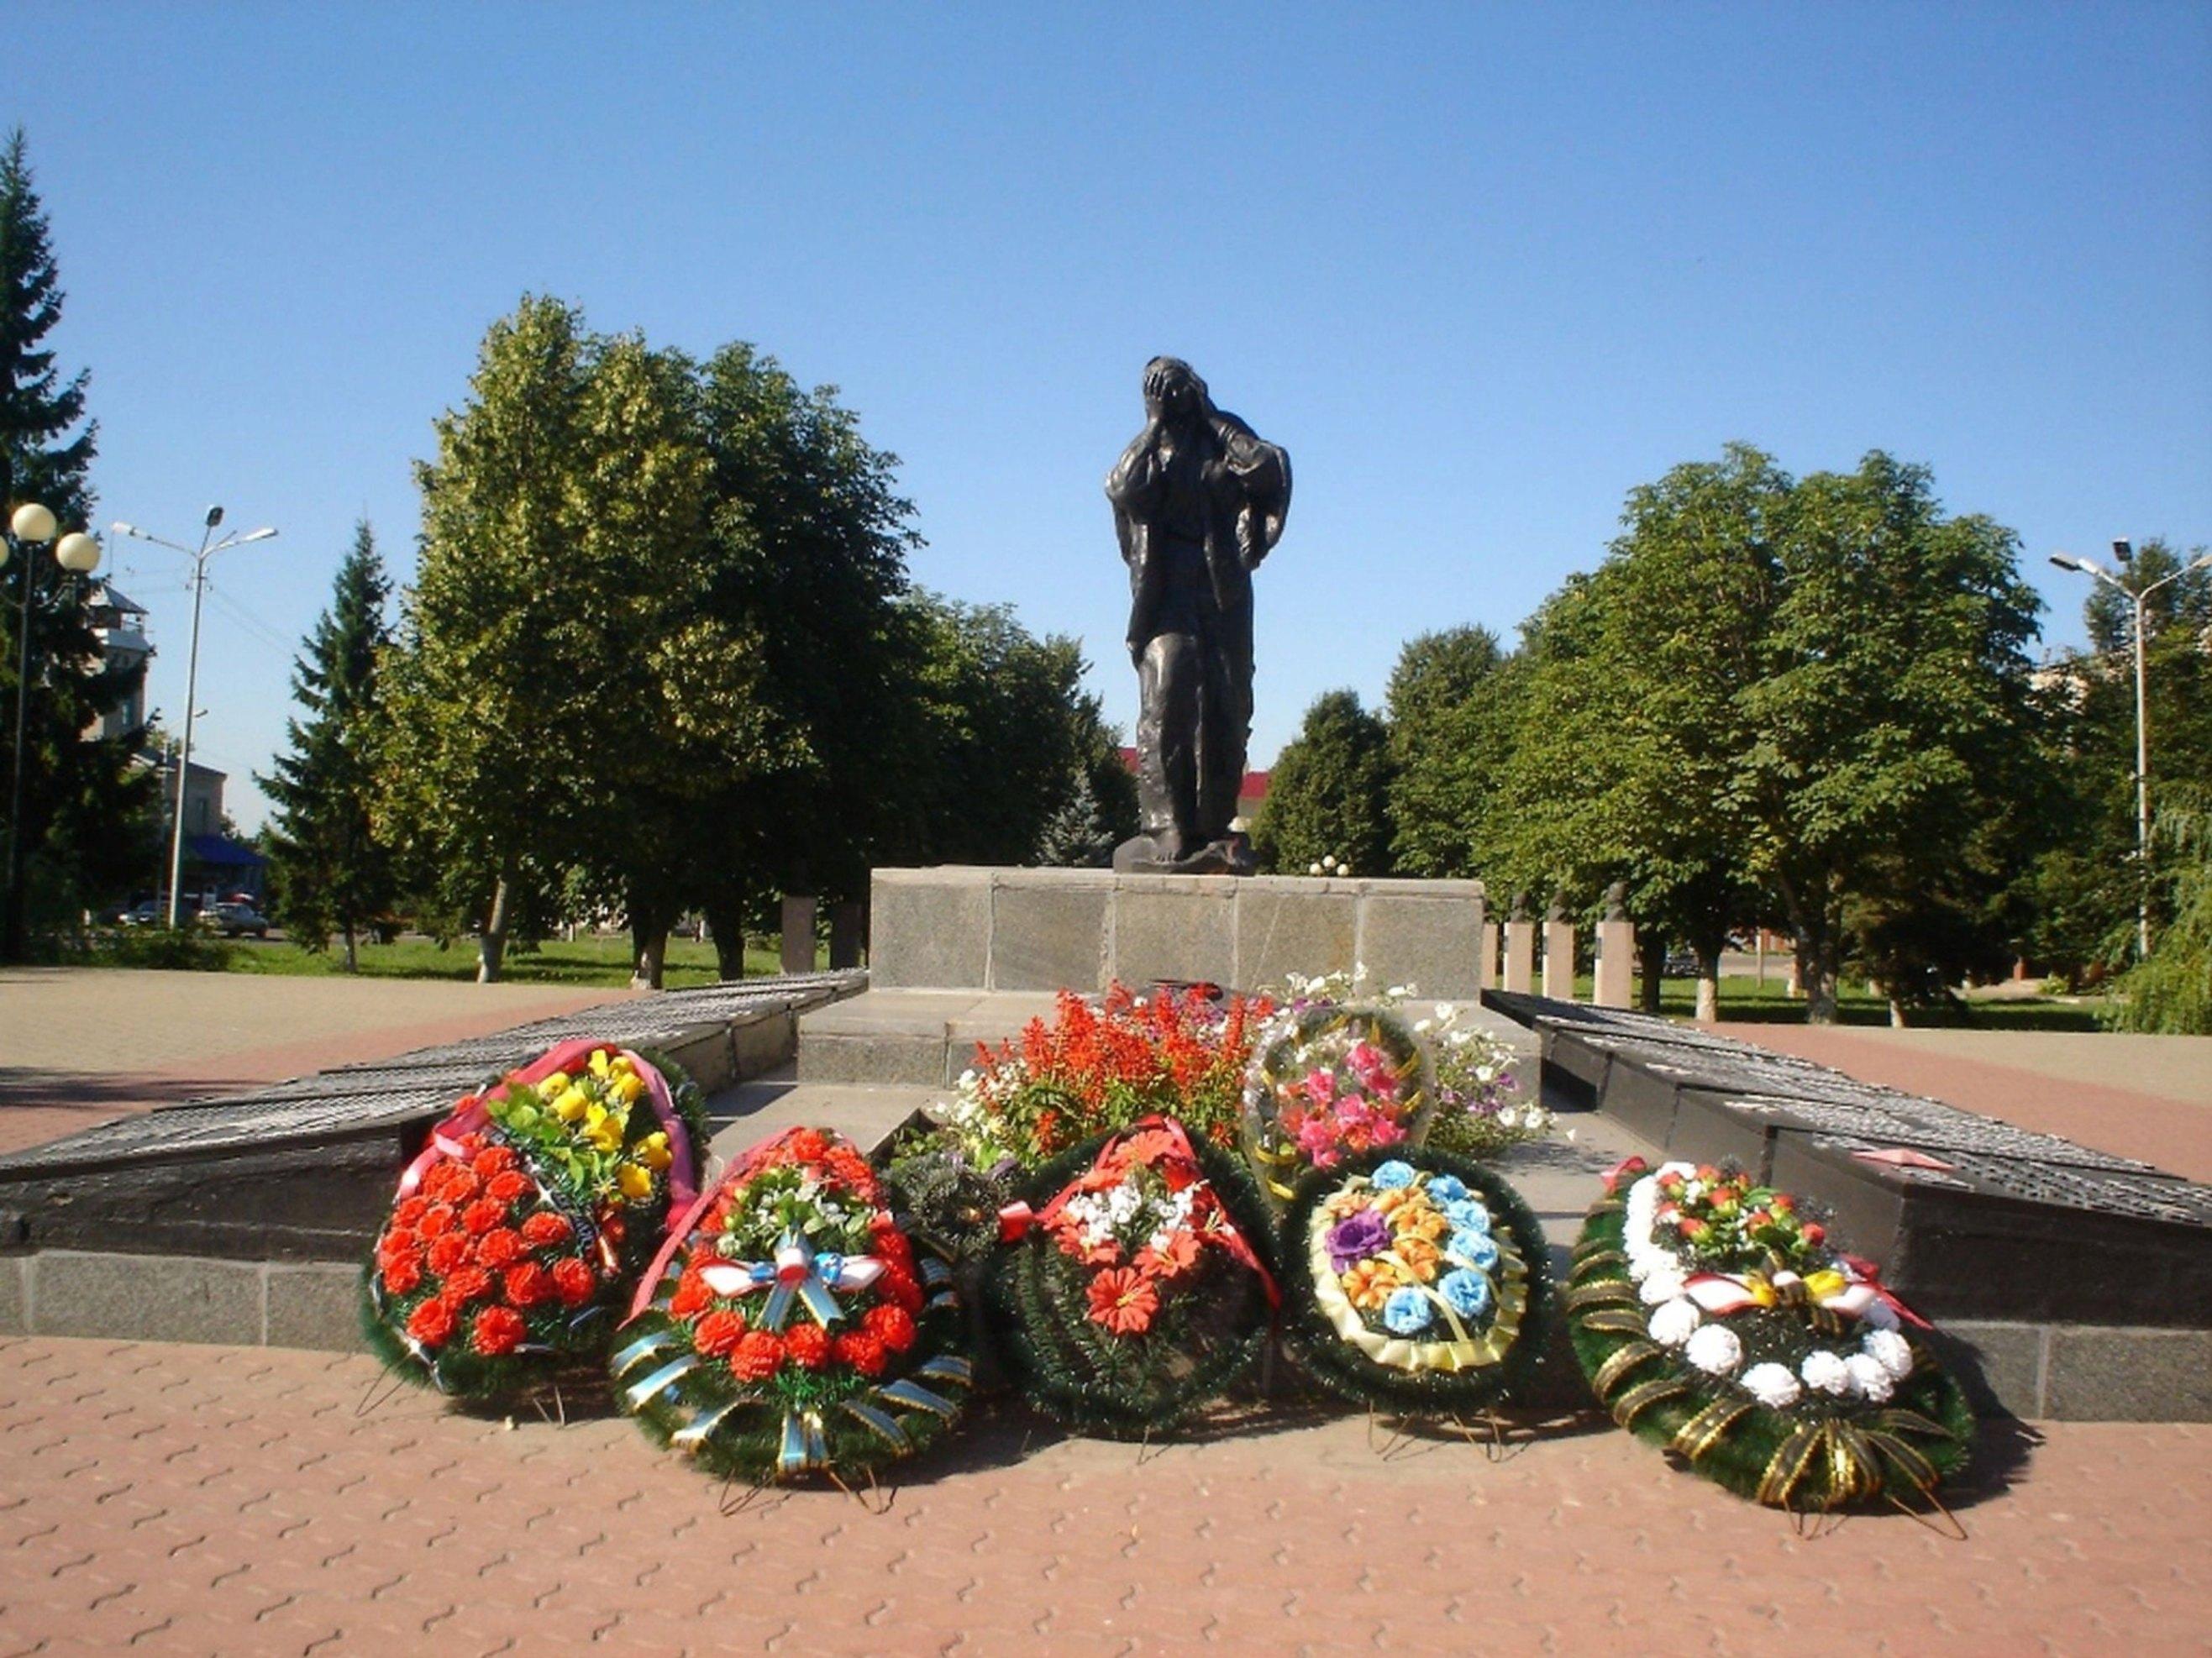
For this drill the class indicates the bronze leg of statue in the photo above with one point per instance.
(1168, 684)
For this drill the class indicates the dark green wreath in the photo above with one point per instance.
(1209, 1335)
(943, 1200)
(749, 1430)
(1315, 1347)
(1786, 1458)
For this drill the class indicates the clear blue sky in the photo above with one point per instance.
(1480, 270)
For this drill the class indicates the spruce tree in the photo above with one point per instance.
(85, 800)
(333, 874)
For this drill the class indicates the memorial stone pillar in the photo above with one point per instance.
(1520, 948)
(799, 932)
(1616, 951)
(1559, 954)
(848, 923)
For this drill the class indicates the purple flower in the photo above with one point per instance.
(1356, 1237)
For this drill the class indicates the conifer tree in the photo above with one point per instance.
(332, 873)
(85, 802)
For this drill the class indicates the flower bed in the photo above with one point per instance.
(1716, 1319)
(517, 1234)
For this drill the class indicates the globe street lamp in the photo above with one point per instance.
(199, 557)
(77, 553)
(2125, 553)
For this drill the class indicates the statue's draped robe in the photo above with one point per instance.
(1195, 515)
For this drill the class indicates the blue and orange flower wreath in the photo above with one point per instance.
(1415, 1282)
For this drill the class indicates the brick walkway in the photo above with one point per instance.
(80, 1046)
(2135, 1096)
(170, 1500)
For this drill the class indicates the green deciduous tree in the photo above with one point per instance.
(1328, 793)
(2170, 991)
(332, 873)
(1446, 709)
(85, 800)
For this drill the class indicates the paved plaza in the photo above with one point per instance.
(194, 1499)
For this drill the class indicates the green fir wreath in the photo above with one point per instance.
(1716, 1322)
(793, 1329)
(1054, 1316)
(1475, 1299)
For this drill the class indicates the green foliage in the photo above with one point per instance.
(1447, 704)
(1806, 697)
(2172, 991)
(2084, 892)
(86, 803)
(330, 871)
(1328, 793)
(1002, 723)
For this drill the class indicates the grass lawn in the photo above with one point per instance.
(1744, 998)
(587, 962)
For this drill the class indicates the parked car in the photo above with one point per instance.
(235, 920)
(1681, 964)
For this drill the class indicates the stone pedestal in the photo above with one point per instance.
(1559, 960)
(1616, 964)
(847, 928)
(957, 927)
(798, 933)
(1521, 957)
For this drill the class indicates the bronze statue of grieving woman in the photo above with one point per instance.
(1198, 500)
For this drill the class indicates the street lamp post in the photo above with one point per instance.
(199, 557)
(2136, 596)
(77, 553)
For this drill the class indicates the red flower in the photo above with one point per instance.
(469, 1284)
(448, 1253)
(395, 1243)
(717, 1333)
(492, 1162)
(890, 1246)
(500, 1246)
(410, 1212)
(1123, 1300)
(1179, 1254)
(471, 1144)
(892, 1325)
(453, 1183)
(403, 1275)
(692, 1296)
(528, 1284)
(499, 1330)
(861, 1351)
(483, 1215)
(432, 1322)
(436, 1219)
(507, 1185)
(575, 1280)
(756, 1356)
(898, 1285)
(807, 1345)
(809, 1145)
(546, 1226)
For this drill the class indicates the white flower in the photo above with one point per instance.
(1313, 869)
(1446, 1012)
(1673, 1321)
(1714, 1349)
(1889, 1350)
(1825, 1371)
(1660, 1284)
(1771, 1385)
(1398, 992)
(1868, 1379)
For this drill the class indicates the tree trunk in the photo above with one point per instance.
(1816, 967)
(648, 936)
(725, 921)
(353, 961)
(1897, 1019)
(1708, 987)
(492, 950)
(1651, 960)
